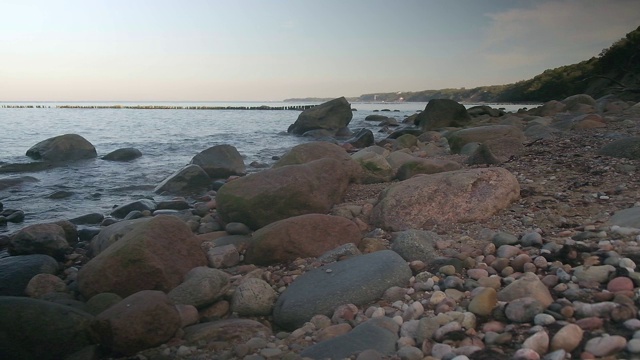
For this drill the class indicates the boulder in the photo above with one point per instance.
(259, 199)
(253, 297)
(47, 239)
(145, 319)
(331, 115)
(201, 286)
(316, 150)
(376, 118)
(154, 255)
(38, 329)
(440, 113)
(415, 245)
(124, 154)
(362, 139)
(358, 280)
(300, 236)
(17, 271)
(228, 330)
(527, 285)
(479, 110)
(626, 217)
(448, 197)
(190, 179)
(580, 103)
(549, 108)
(139, 205)
(112, 233)
(494, 136)
(379, 334)
(425, 166)
(220, 161)
(628, 147)
(375, 167)
(63, 148)
(6, 183)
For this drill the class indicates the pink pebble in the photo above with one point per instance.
(620, 284)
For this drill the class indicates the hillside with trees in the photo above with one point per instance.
(616, 70)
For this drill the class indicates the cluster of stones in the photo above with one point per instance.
(274, 265)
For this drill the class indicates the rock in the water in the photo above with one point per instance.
(415, 245)
(331, 115)
(275, 194)
(441, 113)
(362, 139)
(38, 329)
(47, 239)
(190, 179)
(300, 236)
(426, 166)
(220, 161)
(201, 286)
(253, 297)
(140, 205)
(357, 280)
(380, 334)
(143, 320)
(623, 148)
(16, 181)
(63, 148)
(154, 255)
(124, 154)
(17, 271)
(453, 196)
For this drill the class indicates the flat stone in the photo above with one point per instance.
(605, 345)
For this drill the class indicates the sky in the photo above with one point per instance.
(270, 50)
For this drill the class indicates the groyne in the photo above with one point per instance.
(160, 107)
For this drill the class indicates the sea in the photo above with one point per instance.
(168, 139)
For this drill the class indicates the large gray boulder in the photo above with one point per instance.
(63, 148)
(220, 161)
(202, 286)
(357, 280)
(301, 236)
(316, 150)
(415, 245)
(440, 113)
(139, 205)
(17, 271)
(190, 179)
(275, 194)
(47, 239)
(112, 233)
(448, 197)
(332, 115)
(628, 147)
(154, 255)
(380, 334)
(38, 329)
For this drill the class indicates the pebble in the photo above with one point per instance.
(531, 239)
(543, 319)
(620, 284)
(633, 346)
(477, 274)
(605, 345)
(437, 297)
(567, 338)
(632, 324)
(439, 351)
(507, 251)
(526, 354)
(538, 342)
(484, 301)
(523, 310)
(410, 353)
(504, 238)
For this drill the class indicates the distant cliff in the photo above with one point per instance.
(616, 70)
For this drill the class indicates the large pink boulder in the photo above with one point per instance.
(153, 256)
(301, 236)
(145, 319)
(448, 197)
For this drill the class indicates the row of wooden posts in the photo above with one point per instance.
(160, 107)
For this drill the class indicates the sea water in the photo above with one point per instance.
(167, 138)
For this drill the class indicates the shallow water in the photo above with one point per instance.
(168, 140)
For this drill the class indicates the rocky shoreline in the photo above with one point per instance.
(464, 235)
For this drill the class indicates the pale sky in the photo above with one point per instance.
(261, 50)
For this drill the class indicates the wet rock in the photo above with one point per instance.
(47, 239)
(17, 271)
(63, 148)
(124, 327)
(331, 115)
(190, 179)
(124, 154)
(6, 183)
(321, 290)
(220, 161)
(140, 205)
(38, 329)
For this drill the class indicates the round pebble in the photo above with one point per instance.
(620, 284)
(605, 345)
(567, 338)
(543, 319)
